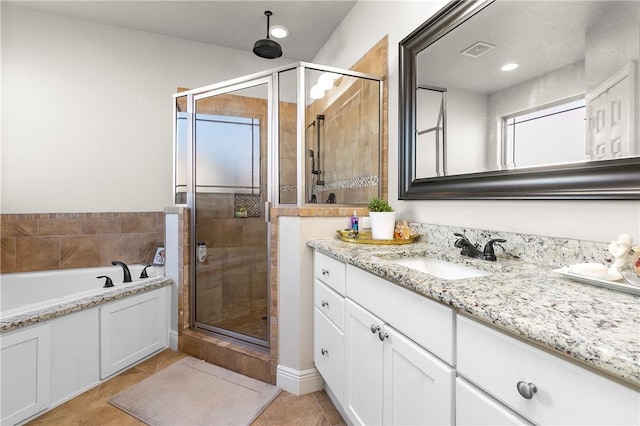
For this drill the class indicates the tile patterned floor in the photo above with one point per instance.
(93, 409)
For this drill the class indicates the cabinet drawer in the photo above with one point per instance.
(330, 271)
(476, 408)
(428, 323)
(329, 302)
(566, 393)
(328, 352)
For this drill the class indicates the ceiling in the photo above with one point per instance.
(235, 24)
(541, 36)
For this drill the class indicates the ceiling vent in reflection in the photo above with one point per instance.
(477, 49)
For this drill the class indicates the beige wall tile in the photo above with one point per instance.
(8, 255)
(81, 251)
(37, 253)
(122, 247)
(101, 225)
(147, 245)
(19, 227)
(139, 223)
(60, 226)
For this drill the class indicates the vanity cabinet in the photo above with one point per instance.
(372, 354)
(388, 378)
(392, 356)
(539, 386)
(328, 322)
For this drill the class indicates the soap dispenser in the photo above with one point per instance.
(354, 221)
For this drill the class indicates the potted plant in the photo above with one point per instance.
(383, 219)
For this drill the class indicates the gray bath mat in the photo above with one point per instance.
(193, 392)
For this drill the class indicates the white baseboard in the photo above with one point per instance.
(173, 339)
(298, 382)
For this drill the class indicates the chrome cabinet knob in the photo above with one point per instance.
(382, 336)
(526, 390)
(325, 272)
(375, 328)
(323, 351)
(324, 304)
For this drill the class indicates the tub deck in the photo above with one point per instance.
(41, 311)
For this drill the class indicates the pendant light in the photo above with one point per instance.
(267, 48)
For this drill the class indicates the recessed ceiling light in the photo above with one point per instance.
(278, 31)
(509, 67)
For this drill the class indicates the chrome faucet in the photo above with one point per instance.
(473, 250)
(125, 269)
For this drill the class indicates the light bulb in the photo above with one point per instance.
(316, 92)
(509, 67)
(326, 80)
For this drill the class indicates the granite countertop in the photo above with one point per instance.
(45, 311)
(592, 325)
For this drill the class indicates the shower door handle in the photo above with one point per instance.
(267, 211)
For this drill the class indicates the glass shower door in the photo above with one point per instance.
(230, 161)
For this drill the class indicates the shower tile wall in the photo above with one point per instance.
(288, 152)
(49, 241)
(230, 278)
(352, 127)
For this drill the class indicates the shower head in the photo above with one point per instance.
(310, 153)
(267, 48)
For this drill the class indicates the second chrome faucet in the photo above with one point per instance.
(473, 250)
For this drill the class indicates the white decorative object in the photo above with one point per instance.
(620, 250)
(382, 225)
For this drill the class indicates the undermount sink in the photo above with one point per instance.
(440, 268)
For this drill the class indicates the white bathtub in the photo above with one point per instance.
(62, 333)
(31, 290)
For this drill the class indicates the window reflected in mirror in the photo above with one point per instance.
(569, 94)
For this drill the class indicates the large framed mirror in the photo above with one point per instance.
(522, 99)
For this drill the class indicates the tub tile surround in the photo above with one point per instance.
(43, 313)
(594, 326)
(51, 241)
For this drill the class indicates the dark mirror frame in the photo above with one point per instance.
(591, 180)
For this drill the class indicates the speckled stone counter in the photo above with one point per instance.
(591, 325)
(42, 312)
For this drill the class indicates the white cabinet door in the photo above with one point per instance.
(418, 387)
(363, 366)
(328, 352)
(145, 319)
(25, 366)
(75, 354)
(476, 408)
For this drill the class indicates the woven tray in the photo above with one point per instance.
(349, 236)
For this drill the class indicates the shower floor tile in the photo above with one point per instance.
(92, 407)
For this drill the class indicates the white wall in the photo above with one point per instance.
(367, 23)
(115, 87)
(87, 111)
(296, 371)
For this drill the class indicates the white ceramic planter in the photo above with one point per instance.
(382, 225)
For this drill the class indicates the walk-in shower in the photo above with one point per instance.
(244, 146)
